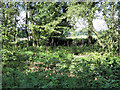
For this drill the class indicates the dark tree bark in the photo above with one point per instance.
(26, 23)
(31, 20)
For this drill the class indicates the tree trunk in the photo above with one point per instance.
(90, 28)
(26, 22)
(119, 44)
(89, 37)
(31, 20)
(33, 37)
(15, 26)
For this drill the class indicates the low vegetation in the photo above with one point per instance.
(59, 67)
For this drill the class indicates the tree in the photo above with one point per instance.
(15, 22)
(8, 24)
(112, 38)
(47, 21)
(26, 22)
(85, 10)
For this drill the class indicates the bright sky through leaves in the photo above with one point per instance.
(99, 24)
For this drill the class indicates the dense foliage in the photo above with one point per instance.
(47, 67)
(38, 53)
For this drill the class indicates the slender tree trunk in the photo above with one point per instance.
(26, 31)
(15, 33)
(15, 26)
(7, 18)
(89, 37)
(33, 37)
(119, 35)
(31, 16)
(89, 32)
(90, 19)
(26, 27)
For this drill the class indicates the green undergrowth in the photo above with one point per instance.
(56, 67)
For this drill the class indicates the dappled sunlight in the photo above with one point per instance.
(49, 67)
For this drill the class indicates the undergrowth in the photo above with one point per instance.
(55, 67)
